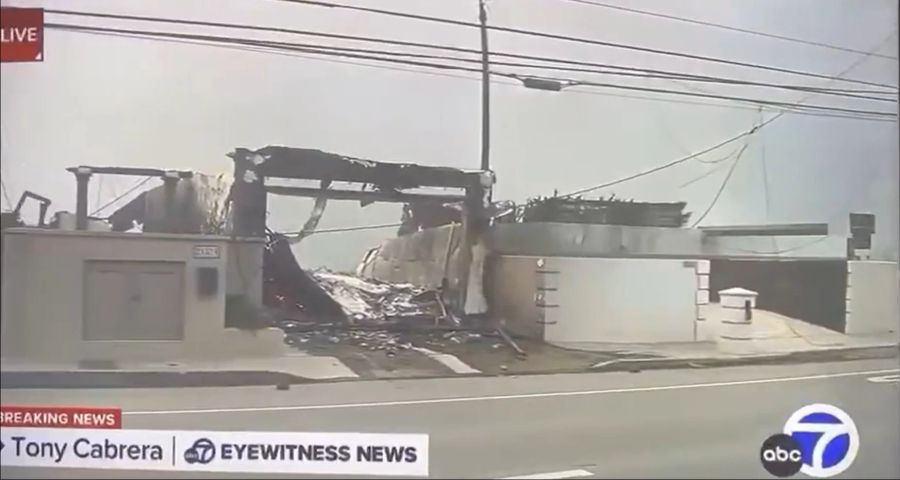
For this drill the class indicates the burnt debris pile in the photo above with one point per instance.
(304, 299)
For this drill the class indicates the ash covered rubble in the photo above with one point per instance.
(320, 308)
(368, 302)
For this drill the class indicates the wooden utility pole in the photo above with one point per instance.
(485, 90)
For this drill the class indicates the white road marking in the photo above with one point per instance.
(289, 408)
(450, 361)
(552, 475)
(885, 379)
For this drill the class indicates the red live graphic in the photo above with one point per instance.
(21, 34)
(60, 417)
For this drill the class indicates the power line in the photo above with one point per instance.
(725, 142)
(722, 105)
(729, 97)
(4, 137)
(99, 188)
(722, 186)
(718, 166)
(463, 77)
(720, 144)
(133, 188)
(729, 28)
(5, 194)
(570, 38)
(443, 66)
(666, 76)
(673, 162)
(681, 75)
(786, 250)
(705, 174)
(719, 160)
(765, 178)
(347, 229)
(275, 51)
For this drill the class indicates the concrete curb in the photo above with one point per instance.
(144, 379)
(150, 379)
(834, 354)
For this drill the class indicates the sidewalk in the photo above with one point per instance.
(775, 338)
(363, 355)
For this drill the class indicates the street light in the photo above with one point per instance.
(547, 84)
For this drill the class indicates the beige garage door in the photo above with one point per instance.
(126, 300)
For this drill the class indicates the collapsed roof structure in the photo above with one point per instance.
(377, 182)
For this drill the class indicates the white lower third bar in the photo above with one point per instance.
(552, 475)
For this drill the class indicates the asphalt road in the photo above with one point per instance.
(679, 423)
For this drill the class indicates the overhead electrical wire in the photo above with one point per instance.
(499, 81)
(718, 195)
(753, 130)
(673, 162)
(666, 76)
(729, 97)
(6, 194)
(729, 28)
(786, 250)
(347, 229)
(590, 41)
(682, 75)
(705, 174)
(114, 200)
(443, 66)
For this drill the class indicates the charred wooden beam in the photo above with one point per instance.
(139, 171)
(379, 196)
(311, 164)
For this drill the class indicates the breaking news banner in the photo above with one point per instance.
(60, 417)
(239, 452)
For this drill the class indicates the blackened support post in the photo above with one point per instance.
(82, 179)
(170, 184)
(248, 197)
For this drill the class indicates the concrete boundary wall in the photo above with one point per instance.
(43, 297)
(566, 299)
(585, 240)
(873, 298)
(614, 300)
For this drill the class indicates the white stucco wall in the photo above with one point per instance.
(43, 299)
(621, 300)
(873, 297)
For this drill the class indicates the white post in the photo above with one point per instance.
(736, 324)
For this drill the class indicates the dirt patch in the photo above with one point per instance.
(492, 356)
(384, 354)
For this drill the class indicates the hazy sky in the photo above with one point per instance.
(114, 101)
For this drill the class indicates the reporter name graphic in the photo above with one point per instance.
(818, 440)
(271, 452)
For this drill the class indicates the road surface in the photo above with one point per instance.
(677, 423)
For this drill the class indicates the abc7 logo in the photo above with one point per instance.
(819, 440)
(202, 451)
(781, 456)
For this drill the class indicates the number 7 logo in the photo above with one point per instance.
(827, 437)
